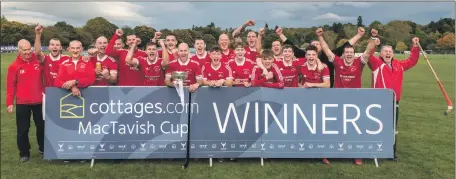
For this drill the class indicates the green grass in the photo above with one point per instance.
(425, 144)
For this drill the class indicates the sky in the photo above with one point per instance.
(179, 15)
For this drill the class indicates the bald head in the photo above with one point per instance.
(224, 41)
(101, 43)
(183, 52)
(24, 49)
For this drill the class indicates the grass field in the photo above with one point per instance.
(425, 144)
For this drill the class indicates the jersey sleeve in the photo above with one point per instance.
(110, 50)
(337, 61)
(279, 83)
(412, 60)
(203, 72)
(198, 72)
(169, 70)
(374, 62)
(113, 67)
(257, 79)
(325, 73)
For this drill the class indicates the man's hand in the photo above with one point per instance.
(319, 32)
(119, 32)
(67, 85)
(247, 84)
(192, 88)
(269, 76)
(374, 33)
(75, 91)
(306, 85)
(261, 31)
(98, 71)
(415, 41)
(377, 42)
(161, 42)
(219, 83)
(279, 31)
(92, 51)
(105, 74)
(361, 31)
(211, 83)
(249, 23)
(265, 72)
(10, 109)
(85, 58)
(157, 35)
(38, 29)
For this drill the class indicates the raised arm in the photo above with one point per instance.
(370, 49)
(259, 49)
(257, 78)
(297, 51)
(412, 60)
(129, 58)
(237, 32)
(39, 54)
(110, 50)
(324, 45)
(340, 50)
(165, 55)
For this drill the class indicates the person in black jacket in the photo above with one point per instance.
(322, 56)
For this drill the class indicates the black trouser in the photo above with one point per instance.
(23, 114)
(397, 119)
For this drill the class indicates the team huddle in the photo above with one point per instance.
(241, 65)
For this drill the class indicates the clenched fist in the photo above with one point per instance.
(119, 32)
(279, 31)
(319, 32)
(38, 29)
(361, 31)
(374, 33)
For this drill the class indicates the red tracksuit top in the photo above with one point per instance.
(82, 71)
(385, 77)
(25, 81)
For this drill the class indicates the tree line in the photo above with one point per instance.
(437, 36)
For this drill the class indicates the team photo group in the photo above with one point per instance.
(231, 63)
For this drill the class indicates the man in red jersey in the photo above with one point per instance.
(388, 72)
(216, 74)
(152, 66)
(118, 44)
(314, 74)
(75, 73)
(227, 53)
(50, 62)
(242, 67)
(348, 71)
(250, 48)
(128, 75)
(201, 54)
(24, 83)
(171, 43)
(273, 79)
(183, 63)
(105, 66)
(290, 66)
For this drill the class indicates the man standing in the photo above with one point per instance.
(128, 75)
(322, 56)
(250, 48)
(388, 72)
(201, 54)
(227, 53)
(216, 74)
(152, 66)
(75, 73)
(171, 43)
(105, 66)
(242, 67)
(349, 69)
(24, 82)
(315, 75)
(183, 63)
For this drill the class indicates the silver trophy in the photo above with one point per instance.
(178, 80)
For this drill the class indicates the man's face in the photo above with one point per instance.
(267, 61)
(224, 41)
(311, 56)
(101, 44)
(151, 50)
(216, 56)
(75, 49)
(349, 54)
(183, 52)
(118, 44)
(288, 53)
(55, 47)
(387, 54)
(170, 41)
(131, 40)
(240, 52)
(25, 51)
(251, 38)
(199, 46)
(276, 48)
(316, 44)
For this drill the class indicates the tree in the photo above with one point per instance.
(400, 46)
(330, 38)
(84, 36)
(144, 33)
(446, 42)
(360, 21)
(209, 40)
(341, 42)
(99, 26)
(67, 32)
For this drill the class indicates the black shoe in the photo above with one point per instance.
(24, 159)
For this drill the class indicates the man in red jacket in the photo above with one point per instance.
(387, 72)
(75, 73)
(24, 82)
